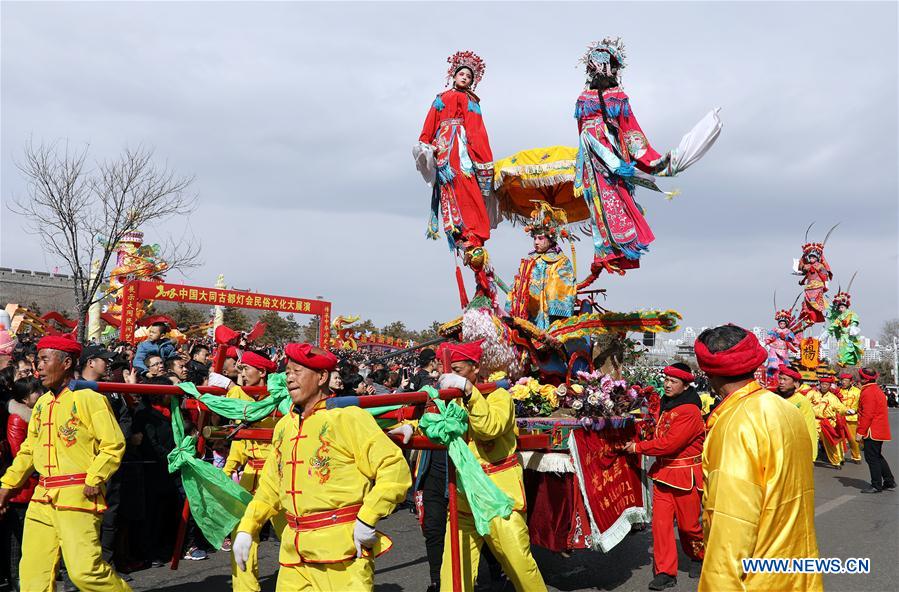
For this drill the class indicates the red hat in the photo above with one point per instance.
(743, 358)
(464, 352)
(845, 375)
(315, 358)
(861, 374)
(257, 361)
(680, 373)
(63, 343)
(225, 335)
(231, 352)
(826, 378)
(787, 371)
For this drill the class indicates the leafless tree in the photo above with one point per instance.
(80, 215)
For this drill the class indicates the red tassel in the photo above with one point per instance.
(463, 297)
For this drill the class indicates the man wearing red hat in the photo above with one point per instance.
(676, 475)
(250, 456)
(75, 444)
(849, 393)
(831, 413)
(874, 429)
(788, 382)
(335, 474)
(493, 440)
(759, 498)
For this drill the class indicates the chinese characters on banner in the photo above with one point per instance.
(808, 350)
(143, 290)
(611, 480)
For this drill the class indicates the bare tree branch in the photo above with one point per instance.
(80, 216)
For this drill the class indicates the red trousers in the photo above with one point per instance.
(669, 503)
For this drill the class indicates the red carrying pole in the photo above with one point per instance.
(455, 558)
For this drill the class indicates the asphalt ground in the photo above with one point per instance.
(849, 525)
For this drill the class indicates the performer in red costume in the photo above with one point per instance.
(455, 128)
(677, 476)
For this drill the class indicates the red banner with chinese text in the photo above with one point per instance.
(140, 290)
(611, 483)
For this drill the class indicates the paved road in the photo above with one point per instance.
(849, 524)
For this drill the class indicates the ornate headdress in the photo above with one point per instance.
(842, 298)
(599, 53)
(466, 59)
(784, 315)
(548, 221)
(816, 249)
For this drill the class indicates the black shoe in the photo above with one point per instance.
(890, 486)
(662, 581)
(871, 490)
(695, 569)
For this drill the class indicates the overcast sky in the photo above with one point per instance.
(298, 121)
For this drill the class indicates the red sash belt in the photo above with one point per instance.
(687, 461)
(256, 463)
(323, 519)
(57, 481)
(506, 463)
(448, 122)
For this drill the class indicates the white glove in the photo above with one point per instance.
(449, 381)
(241, 549)
(404, 430)
(854, 330)
(219, 380)
(363, 536)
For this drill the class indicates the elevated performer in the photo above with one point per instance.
(677, 476)
(75, 444)
(250, 456)
(454, 133)
(545, 288)
(494, 442)
(335, 474)
(612, 144)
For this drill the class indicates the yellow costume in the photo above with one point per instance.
(808, 414)
(73, 440)
(250, 455)
(850, 400)
(493, 439)
(324, 471)
(826, 411)
(544, 289)
(759, 498)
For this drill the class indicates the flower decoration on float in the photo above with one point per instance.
(466, 59)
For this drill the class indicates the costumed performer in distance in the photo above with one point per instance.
(611, 144)
(676, 476)
(545, 288)
(75, 444)
(843, 326)
(493, 440)
(335, 474)
(780, 341)
(815, 272)
(250, 456)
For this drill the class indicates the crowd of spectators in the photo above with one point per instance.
(145, 501)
